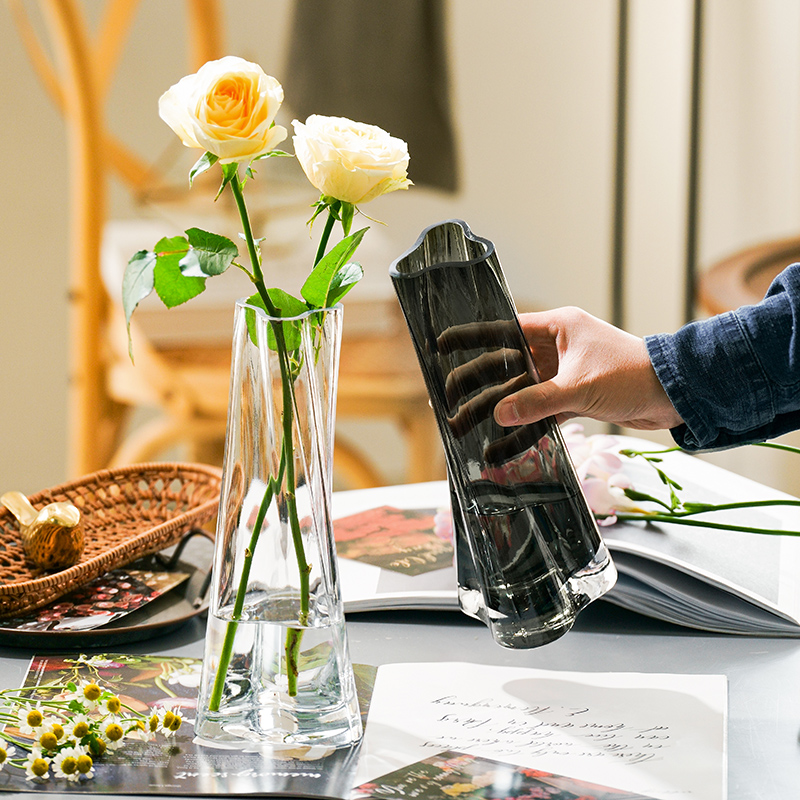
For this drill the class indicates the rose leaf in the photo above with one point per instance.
(171, 286)
(343, 281)
(211, 254)
(347, 212)
(287, 306)
(137, 283)
(316, 289)
(205, 162)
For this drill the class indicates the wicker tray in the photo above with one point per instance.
(126, 513)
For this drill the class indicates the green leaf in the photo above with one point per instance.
(347, 211)
(205, 162)
(213, 254)
(229, 172)
(343, 281)
(318, 287)
(286, 306)
(172, 287)
(271, 153)
(318, 207)
(250, 316)
(189, 265)
(137, 283)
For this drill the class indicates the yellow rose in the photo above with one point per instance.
(350, 161)
(226, 108)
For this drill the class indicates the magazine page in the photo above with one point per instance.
(390, 552)
(393, 552)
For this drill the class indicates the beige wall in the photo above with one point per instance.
(533, 89)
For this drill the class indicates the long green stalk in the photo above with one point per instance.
(238, 606)
(293, 635)
(699, 523)
(680, 512)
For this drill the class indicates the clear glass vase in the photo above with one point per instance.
(528, 551)
(276, 669)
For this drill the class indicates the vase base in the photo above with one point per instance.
(274, 732)
(254, 704)
(539, 617)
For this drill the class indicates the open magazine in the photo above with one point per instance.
(395, 552)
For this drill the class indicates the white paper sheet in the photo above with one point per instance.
(660, 735)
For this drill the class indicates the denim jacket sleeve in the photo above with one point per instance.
(735, 378)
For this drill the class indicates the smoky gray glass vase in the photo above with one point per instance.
(528, 551)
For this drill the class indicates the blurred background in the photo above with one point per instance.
(614, 151)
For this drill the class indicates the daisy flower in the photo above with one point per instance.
(30, 720)
(36, 766)
(65, 764)
(113, 704)
(47, 740)
(140, 730)
(89, 694)
(112, 732)
(171, 720)
(86, 766)
(6, 752)
(55, 725)
(79, 726)
(152, 724)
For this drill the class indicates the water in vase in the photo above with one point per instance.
(256, 704)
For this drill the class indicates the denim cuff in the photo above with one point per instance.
(712, 375)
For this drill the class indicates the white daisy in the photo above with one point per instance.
(171, 720)
(6, 752)
(30, 720)
(65, 764)
(89, 694)
(78, 726)
(37, 766)
(56, 726)
(140, 731)
(112, 732)
(86, 766)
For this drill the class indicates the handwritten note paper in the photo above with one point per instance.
(661, 735)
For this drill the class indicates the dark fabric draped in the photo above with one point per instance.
(382, 63)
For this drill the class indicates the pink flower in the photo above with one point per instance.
(599, 468)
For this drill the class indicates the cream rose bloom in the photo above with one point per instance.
(226, 108)
(350, 161)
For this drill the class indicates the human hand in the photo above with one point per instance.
(588, 368)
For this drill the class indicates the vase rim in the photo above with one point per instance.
(335, 308)
(395, 273)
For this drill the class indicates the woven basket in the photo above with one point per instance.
(126, 513)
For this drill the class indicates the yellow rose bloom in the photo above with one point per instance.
(227, 108)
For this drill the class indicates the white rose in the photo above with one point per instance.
(350, 161)
(226, 108)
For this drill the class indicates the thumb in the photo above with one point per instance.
(531, 404)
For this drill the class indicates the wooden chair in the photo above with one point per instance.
(187, 382)
(744, 277)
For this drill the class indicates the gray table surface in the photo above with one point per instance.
(763, 674)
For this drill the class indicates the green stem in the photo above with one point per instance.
(326, 234)
(238, 606)
(633, 517)
(293, 636)
(703, 508)
(776, 446)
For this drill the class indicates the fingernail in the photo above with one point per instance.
(506, 413)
